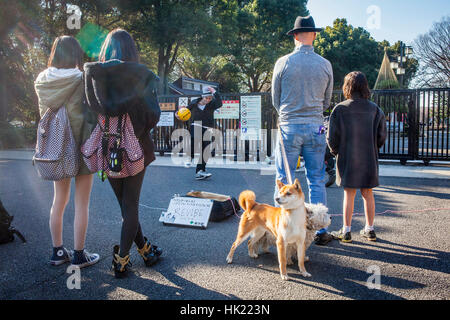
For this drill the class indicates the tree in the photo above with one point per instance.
(217, 69)
(349, 49)
(253, 34)
(411, 65)
(168, 26)
(18, 34)
(432, 51)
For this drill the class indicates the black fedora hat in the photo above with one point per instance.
(304, 24)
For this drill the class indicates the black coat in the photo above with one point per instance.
(356, 132)
(116, 87)
(206, 116)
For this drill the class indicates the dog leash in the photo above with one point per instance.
(283, 154)
(392, 211)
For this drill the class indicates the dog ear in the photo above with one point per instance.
(297, 184)
(279, 184)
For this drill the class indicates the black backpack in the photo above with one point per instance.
(6, 231)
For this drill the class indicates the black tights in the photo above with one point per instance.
(127, 192)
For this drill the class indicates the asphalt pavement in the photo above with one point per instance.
(411, 256)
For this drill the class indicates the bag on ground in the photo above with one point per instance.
(6, 231)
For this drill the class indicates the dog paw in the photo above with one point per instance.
(306, 258)
(253, 255)
(284, 277)
(229, 260)
(289, 262)
(305, 274)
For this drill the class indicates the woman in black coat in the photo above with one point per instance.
(357, 130)
(118, 84)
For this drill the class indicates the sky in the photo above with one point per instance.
(390, 20)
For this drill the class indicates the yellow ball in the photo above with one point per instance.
(184, 114)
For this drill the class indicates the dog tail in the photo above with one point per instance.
(247, 200)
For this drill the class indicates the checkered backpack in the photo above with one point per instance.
(113, 149)
(56, 156)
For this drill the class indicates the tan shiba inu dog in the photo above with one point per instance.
(287, 224)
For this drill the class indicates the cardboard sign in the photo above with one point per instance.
(167, 106)
(166, 119)
(186, 211)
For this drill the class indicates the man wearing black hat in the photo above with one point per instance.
(302, 85)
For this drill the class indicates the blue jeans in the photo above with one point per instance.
(306, 140)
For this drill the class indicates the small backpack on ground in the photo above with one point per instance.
(56, 156)
(223, 206)
(113, 149)
(6, 231)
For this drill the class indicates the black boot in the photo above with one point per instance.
(149, 253)
(120, 265)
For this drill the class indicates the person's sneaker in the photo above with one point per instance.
(121, 266)
(331, 180)
(340, 235)
(201, 175)
(187, 164)
(369, 235)
(149, 253)
(207, 174)
(60, 255)
(82, 258)
(323, 238)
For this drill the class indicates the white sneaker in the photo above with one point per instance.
(87, 259)
(202, 175)
(207, 174)
(187, 164)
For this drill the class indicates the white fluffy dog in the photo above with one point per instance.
(317, 217)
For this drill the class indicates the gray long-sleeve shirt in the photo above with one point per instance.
(302, 85)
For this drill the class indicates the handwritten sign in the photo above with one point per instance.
(186, 211)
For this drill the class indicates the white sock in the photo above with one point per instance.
(347, 229)
(368, 228)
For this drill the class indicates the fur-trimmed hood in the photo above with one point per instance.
(115, 86)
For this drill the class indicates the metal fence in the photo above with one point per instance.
(417, 123)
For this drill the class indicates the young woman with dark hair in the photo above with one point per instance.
(118, 84)
(357, 131)
(61, 85)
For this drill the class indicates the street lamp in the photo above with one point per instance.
(405, 52)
